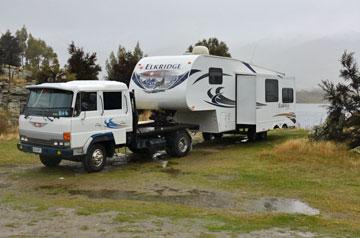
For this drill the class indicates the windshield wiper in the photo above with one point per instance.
(50, 119)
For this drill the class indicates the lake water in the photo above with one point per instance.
(310, 115)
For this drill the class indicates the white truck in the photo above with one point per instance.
(86, 120)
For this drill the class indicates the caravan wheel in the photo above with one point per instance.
(261, 135)
(212, 136)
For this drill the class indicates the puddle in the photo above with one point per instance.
(194, 197)
(283, 205)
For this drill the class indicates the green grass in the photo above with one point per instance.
(328, 180)
(11, 156)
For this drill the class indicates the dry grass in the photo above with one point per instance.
(9, 136)
(303, 149)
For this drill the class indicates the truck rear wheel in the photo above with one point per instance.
(50, 161)
(178, 144)
(95, 159)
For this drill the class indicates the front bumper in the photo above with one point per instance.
(46, 150)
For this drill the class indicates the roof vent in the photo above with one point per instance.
(200, 50)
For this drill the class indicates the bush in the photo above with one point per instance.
(343, 122)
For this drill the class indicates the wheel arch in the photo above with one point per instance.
(106, 139)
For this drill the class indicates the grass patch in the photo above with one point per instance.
(325, 175)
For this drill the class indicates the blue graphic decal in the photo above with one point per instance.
(110, 124)
(219, 100)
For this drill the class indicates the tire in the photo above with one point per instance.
(251, 134)
(208, 136)
(261, 135)
(284, 126)
(50, 161)
(95, 159)
(178, 144)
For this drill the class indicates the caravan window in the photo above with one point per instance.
(271, 90)
(287, 95)
(215, 76)
(112, 100)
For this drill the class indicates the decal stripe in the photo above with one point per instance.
(218, 105)
(194, 71)
(201, 77)
(249, 67)
(258, 104)
(205, 76)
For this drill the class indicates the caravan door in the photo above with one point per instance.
(246, 99)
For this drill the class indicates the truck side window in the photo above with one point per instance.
(271, 90)
(85, 101)
(287, 95)
(215, 76)
(112, 100)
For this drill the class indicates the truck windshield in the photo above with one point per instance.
(49, 102)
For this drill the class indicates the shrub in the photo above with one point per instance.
(343, 122)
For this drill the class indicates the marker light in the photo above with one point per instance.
(67, 136)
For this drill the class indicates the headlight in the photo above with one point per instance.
(56, 143)
(23, 138)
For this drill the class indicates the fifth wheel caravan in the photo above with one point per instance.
(220, 95)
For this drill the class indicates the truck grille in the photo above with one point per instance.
(36, 141)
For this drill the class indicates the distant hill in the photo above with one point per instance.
(309, 60)
(310, 96)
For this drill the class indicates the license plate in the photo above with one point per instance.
(37, 150)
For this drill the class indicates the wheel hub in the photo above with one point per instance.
(97, 158)
(183, 145)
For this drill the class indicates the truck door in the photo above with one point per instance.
(87, 118)
(117, 114)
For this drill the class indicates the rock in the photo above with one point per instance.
(356, 150)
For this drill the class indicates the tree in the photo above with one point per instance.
(10, 52)
(82, 64)
(215, 47)
(22, 37)
(36, 52)
(41, 60)
(119, 67)
(343, 122)
(49, 72)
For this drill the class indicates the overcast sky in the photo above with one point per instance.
(169, 26)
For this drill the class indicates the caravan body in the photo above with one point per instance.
(218, 94)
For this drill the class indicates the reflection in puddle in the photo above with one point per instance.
(283, 205)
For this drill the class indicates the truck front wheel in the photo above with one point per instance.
(178, 144)
(95, 159)
(50, 161)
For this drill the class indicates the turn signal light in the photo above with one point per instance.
(67, 136)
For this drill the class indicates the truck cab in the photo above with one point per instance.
(65, 121)
(86, 120)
